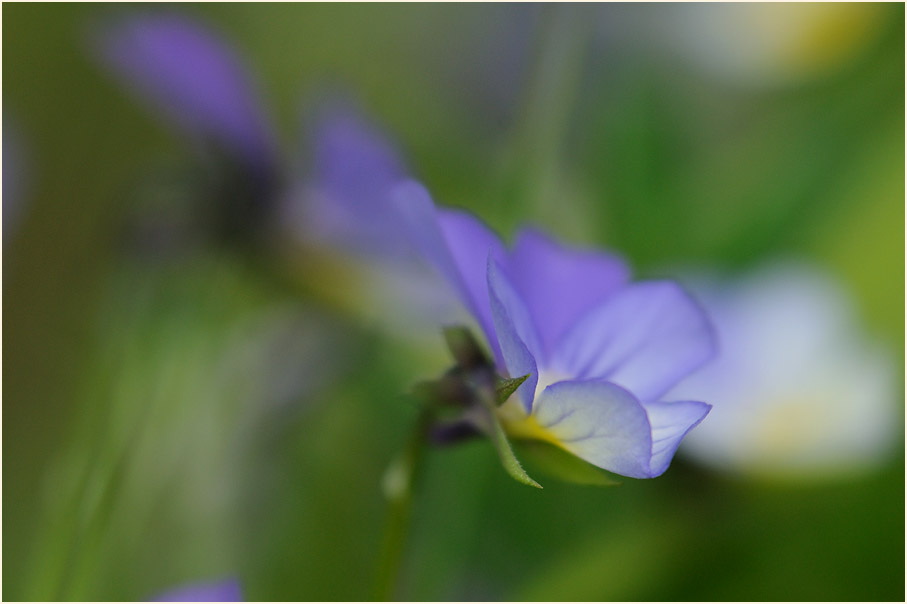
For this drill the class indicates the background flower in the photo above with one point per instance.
(330, 201)
(222, 591)
(15, 176)
(195, 80)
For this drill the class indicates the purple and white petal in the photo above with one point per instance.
(599, 422)
(646, 337)
(216, 591)
(186, 72)
(670, 423)
(515, 332)
(560, 284)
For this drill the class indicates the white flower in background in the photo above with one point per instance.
(798, 389)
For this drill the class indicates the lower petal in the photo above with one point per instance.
(599, 422)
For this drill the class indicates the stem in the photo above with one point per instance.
(399, 488)
(545, 116)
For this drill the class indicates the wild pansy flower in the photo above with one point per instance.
(803, 391)
(227, 590)
(599, 352)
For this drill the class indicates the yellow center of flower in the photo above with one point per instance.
(518, 424)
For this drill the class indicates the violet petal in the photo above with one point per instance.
(646, 337)
(560, 284)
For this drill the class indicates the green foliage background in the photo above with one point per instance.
(135, 453)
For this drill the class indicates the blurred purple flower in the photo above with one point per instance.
(600, 352)
(344, 200)
(15, 175)
(196, 81)
(338, 205)
(227, 590)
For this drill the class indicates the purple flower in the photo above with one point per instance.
(196, 81)
(599, 352)
(15, 175)
(338, 207)
(344, 202)
(227, 590)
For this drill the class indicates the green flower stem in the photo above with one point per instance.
(540, 133)
(399, 485)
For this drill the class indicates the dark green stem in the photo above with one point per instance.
(550, 101)
(399, 487)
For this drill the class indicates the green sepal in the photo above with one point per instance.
(508, 459)
(507, 386)
(553, 461)
(474, 363)
(499, 438)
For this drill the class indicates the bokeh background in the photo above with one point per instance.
(181, 406)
